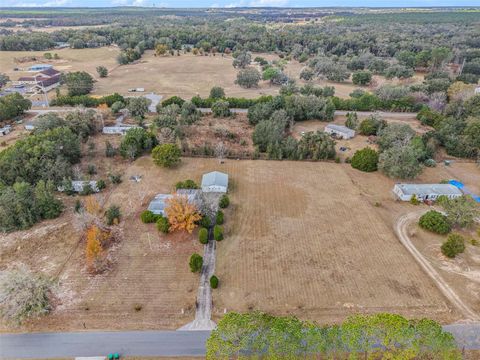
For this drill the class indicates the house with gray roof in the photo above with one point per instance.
(160, 201)
(422, 192)
(215, 181)
(340, 131)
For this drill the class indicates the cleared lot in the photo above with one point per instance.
(301, 237)
(305, 240)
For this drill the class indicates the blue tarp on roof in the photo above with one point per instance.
(462, 187)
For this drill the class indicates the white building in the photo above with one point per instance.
(215, 181)
(340, 131)
(118, 130)
(477, 90)
(159, 202)
(405, 192)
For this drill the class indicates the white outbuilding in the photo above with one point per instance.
(423, 192)
(215, 181)
(340, 131)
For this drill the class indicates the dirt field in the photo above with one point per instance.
(461, 273)
(288, 249)
(292, 250)
(70, 60)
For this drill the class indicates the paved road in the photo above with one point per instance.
(147, 343)
(131, 343)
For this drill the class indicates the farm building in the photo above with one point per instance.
(422, 192)
(215, 181)
(5, 130)
(39, 67)
(48, 79)
(117, 130)
(340, 131)
(159, 202)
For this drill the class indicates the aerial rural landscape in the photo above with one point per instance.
(240, 182)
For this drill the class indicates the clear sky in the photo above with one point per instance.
(236, 3)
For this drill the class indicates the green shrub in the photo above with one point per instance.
(148, 217)
(113, 215)
(454, 245)
(101, 184)
(163, 225)
(187, 184)
(115, 178)
(365, 160)
(205, 222)
(224, 201)
(219, 218)
(203, 235)
(414, 200)
(218, 233)
(435, 222)
(87, 190)
(213, 282)
(196, 262)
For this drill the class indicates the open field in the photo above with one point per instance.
(291, 249)
(288, 248)
(70, 60)
(186, 75)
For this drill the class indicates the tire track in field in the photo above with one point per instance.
(447, 291)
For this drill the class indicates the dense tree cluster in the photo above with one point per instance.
(359, 336)
(13, 105)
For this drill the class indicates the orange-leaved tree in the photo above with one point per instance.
(181, 214)
(94, 249)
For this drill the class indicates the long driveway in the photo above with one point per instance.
(129, 343)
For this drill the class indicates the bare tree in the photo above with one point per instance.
(220, 151)
(24, 294)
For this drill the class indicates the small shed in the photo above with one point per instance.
(215, 181)
(423, 192)
(340, 131)
(477, 90)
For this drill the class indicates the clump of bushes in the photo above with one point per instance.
(224, 201)
(219, 218)
(163, 225)
(365, 160)
(218, 233)
(454, 245)
(148, 217)
(113, 215)
(414, 200)
(213, 282)
(196, 262)
(435, 222)
(203, 235)
(187, 184)
(205, 222)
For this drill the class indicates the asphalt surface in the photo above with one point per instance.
(127, 343)
(147, 343)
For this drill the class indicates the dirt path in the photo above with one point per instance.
(401, 231)
(203, 314)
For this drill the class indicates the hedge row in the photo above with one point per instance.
(86, 100)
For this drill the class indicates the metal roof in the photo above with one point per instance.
(159, 202)
(340, 128)
(429, 189)
(215, 178)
